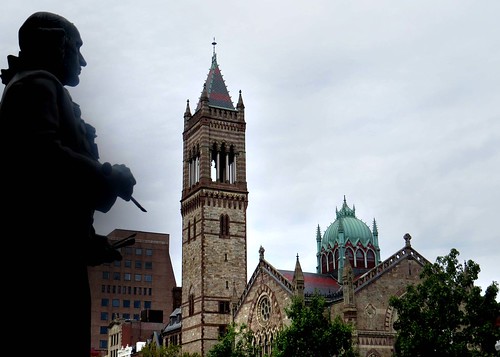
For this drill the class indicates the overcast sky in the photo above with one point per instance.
(394, 104)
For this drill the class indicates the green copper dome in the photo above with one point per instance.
(353, 229)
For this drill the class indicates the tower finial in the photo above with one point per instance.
(213, 44)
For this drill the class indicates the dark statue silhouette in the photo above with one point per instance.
(53, 183)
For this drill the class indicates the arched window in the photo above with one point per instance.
(323, 263)
(336, 258)
(360, 259)
(330, 261)
(350, 256)
(370, 259)
(223, 163)
(194, 166)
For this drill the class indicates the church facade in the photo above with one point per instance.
(215, 291)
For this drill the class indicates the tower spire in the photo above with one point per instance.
(213, 44)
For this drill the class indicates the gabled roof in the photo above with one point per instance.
(375, 273)
(214, 88)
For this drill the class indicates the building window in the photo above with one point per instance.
(127, 276)
(224, 226)
(105, 275)
(138, 264)
(117, 263)
(128, 263)
(148, 278)
(116, 302)
(264, 310)
(103, 330)
(330, 261)
(194, 166)
(222, 330)
(138, 277)
(138, 251)
(360, 259)
(224, 307)
(223, 163)
(116, 275)
(103, 344)
(137, 304)
(104, 302)
(147, 304)
(126, 316)
(126, 303)
(148, 265)
(191, 304)
(104, 316)
(370, 259)
(128, 250)
(149, 252)
(350, 256)
(323, 263)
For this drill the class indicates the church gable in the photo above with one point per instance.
(262, 305)
(370, 311)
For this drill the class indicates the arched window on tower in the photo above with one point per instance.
(330, 261)
(224, 226)
(223, 163)
(194, 166)
(360, 259)
(370, 259)
(336, 254)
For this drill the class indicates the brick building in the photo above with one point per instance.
(143, 281)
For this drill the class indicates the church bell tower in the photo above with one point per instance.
(213, 208)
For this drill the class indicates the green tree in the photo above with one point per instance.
(445, 314)
(236, 342)
(312, 332)
(151, 349)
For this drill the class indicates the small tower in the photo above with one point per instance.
(298, 280)
(213, 207)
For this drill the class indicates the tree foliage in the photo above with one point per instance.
(236, 342)
(445, 314)
(151, 349)
(312, 332)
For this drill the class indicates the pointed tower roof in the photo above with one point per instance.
(298, 275)
(214, 88)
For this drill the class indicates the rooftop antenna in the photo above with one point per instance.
(213, 44)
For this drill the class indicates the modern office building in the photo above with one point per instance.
(142, 283)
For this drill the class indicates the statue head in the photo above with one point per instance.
(50, 42)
